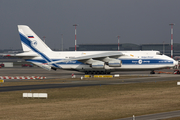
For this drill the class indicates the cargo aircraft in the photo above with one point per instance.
(89, 62)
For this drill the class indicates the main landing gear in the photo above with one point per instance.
(152, 72)
(97, 72)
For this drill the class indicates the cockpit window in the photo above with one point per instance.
(158, 53)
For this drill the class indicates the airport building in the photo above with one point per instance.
(105, 47)
(163, 48)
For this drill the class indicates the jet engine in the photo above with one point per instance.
(114, 63)
(97, 64)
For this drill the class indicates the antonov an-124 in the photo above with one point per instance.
(89, 62)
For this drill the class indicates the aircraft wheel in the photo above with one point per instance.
(152, 72)
(101, 72)
(106, 72)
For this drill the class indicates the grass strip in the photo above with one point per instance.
(105, 102)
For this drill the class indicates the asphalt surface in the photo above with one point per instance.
(80, 83)
(76, 83)
(157, 116)
(36, 71)
(84, 82)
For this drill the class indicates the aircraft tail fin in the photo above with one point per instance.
(30, 41)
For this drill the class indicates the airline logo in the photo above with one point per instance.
(140, 61)
(34, 43)
(30, 36)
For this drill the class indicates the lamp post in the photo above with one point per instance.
(44, 39)
(163, 47)
(118, 42)
(75, 35)
(62, 41)
(171, 39)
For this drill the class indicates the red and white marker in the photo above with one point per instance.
(75, 35)
(22, 77)
(172, 39)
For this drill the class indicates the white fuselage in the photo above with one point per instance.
(131, 60)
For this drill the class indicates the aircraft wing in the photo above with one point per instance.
(94, 56)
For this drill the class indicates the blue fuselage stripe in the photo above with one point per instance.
(146, 61)
(124, 61)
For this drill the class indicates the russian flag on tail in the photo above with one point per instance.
(31, 36)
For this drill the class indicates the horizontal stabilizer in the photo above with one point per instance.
(21, 55)
(44, 66)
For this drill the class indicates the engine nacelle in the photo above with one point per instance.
(97, 64)
(114, 63)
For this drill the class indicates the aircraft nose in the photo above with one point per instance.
(176, 63)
